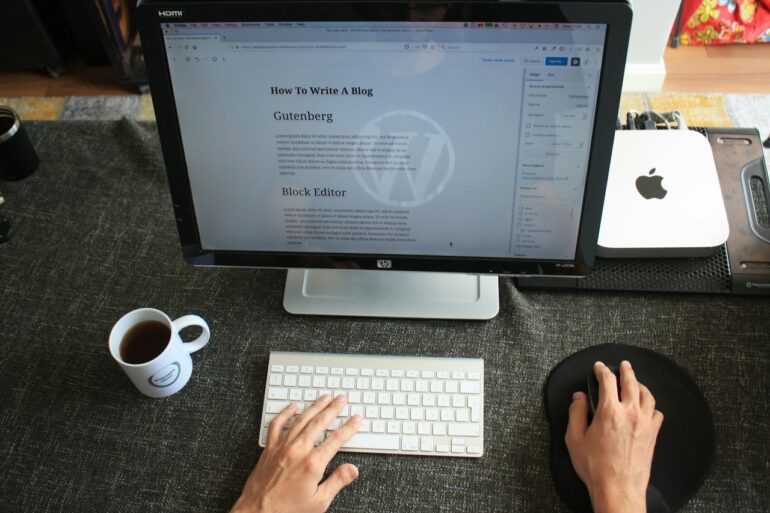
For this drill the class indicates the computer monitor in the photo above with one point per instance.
(470, 139)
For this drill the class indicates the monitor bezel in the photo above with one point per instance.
(615, 14)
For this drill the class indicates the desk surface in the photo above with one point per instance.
(96, 238)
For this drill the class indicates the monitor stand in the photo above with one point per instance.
(391, 294)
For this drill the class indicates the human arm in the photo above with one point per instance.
(287, 478)
(613, 456)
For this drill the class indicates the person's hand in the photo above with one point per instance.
(613, 456)
(287, 478)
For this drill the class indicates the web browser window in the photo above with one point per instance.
(457, 139)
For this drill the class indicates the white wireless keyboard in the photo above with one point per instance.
(409, 404)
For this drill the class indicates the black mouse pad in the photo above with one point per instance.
(685, 447)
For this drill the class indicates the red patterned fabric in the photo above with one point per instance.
(708, 22)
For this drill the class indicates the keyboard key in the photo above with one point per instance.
(378, 384)
(290, 380)
(423, 428)
(399, 398)
(447, 415)
(292, 368)
(397, 373)
(357, 409)
(349, 383)
(269, 418)
(475, 376)
(444, 400)
(319, 381)
(402, 413)
(458, 448)
(322, 370)
(310, 395)
(333, 382)
(409, 443)
(370, 397)
(416, 413)
(428, 400)
(277, 368)
(436, 387)
(373, 441)
(295, 394)
(431, 414)
(409, 428)
(362, 383)
(386, 412)
(383, 398)
(372, 412)
(462, 415)
(426, 444)
(367, 372)
(450, 387)
(442, 375)
(413, 399)
(458, 401)
(306, 369)
(428, 374)
(337, 371)
(350, 371)
(470, 387)
(439, 429)
(466, 429)
(354, 396)
(407, 385)
(364, 426)
(304, 380)
(392, 385)
(378, 426)
(275, 406)
(382, 372)
(458, 375)
(275, 379)
(421, 385)
(394, 426)
(442, 448)
(411, 373)
(277, 393)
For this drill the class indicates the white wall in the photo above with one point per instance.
(650, 29)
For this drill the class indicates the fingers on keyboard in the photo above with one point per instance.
(316, 425)
(338, 438)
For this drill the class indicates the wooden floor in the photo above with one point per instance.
(693, 69)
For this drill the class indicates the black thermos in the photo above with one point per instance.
(18, 158)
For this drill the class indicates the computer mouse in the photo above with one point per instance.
(593, 387)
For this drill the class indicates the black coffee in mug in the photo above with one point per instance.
(144, 342)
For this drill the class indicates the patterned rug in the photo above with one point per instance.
(724, 110)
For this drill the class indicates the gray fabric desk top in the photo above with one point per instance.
(96, 238)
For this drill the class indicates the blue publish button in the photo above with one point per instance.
(555, 61)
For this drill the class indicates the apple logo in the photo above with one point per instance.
(650, 186)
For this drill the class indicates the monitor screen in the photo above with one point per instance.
(465, 139)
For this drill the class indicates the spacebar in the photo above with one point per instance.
(369, 441)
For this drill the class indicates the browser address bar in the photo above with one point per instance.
(406, 47)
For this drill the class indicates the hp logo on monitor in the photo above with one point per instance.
(384, 264)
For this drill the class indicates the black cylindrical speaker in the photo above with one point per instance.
(18, 158)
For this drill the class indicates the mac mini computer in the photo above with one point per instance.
(663, 197)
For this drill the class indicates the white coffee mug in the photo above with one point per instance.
(169, 372)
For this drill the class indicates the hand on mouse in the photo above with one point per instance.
(613, 456)
(287, 478)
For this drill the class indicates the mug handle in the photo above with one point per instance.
(193, 320)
